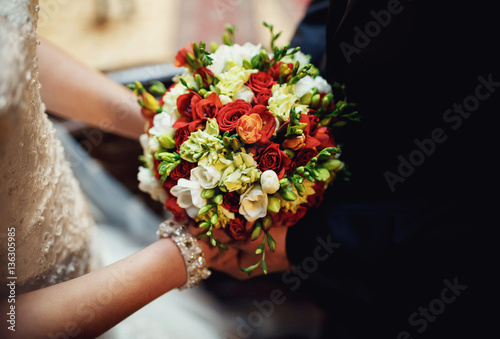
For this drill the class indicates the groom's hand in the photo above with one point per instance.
(242, 253)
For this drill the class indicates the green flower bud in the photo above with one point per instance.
(288, 195)
(190, 58)
(300, 188)
(166, 141)
(218, 199)
(325, 103)
(205, 209)
(214, 218)
(207, 194)
(332, 165)
(202, 92)
(235, 144)
(256, 233)
(315, 100)
(283, 183)
(306, 98)
(300, 170)
(267, 222)
(213, 46)
(289, 153)
(205, 224)
(271, 243)
(247, 64)
(213, 242)
(259, 249)
(225, 39)
(199, 80)
(226, 141)
(273, 204)
(324, 174)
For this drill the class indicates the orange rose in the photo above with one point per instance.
(295, 143)
(248, 128)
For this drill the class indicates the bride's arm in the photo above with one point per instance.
(73, 90)
(89, 305)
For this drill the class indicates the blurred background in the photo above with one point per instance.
(126, 39)
(117, 34)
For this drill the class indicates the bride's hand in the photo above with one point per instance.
(242, 253)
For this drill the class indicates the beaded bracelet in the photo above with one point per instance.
(194, 260)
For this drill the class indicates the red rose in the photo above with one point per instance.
(237, 229)
(259, 81)
(230, 114)
(182, 170)
(303, 157)
(325, 137)
(207, 108)
(186, 102)
(262, 97)
(274, 159)
(231, 202)
(268, 123)
(181, 135)
(177, 211)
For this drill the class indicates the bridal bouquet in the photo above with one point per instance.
(243, 139)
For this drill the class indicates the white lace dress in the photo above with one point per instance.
(39, 196)
(55, 235)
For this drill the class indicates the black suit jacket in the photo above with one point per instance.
(417, 209)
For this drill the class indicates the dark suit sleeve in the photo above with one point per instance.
(392, 248)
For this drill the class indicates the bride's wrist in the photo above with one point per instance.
(191, 252)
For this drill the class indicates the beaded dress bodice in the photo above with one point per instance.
(39, 196)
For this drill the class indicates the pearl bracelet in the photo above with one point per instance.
(194, 260)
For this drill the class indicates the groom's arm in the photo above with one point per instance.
(73, 90)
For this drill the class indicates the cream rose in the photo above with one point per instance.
(253, 203)
(269, 182)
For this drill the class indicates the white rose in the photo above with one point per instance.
(149, 184)
(235, 53)
(207, 176)
(188, 195)
(163, 123)
(245, 93)
(253, 203)
(304, 85)
(302, 58)
(307, 83)
(269, 182)
(322, 85)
